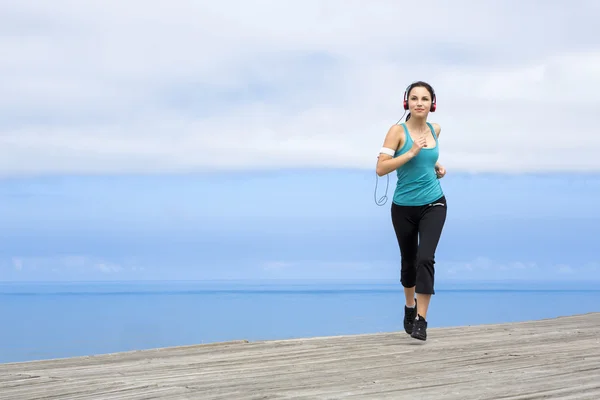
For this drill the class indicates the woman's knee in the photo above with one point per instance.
(425, 260)
(425, 275)
(408, 273)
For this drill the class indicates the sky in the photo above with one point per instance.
(238, 140)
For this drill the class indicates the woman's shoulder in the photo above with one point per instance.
(436, 128)
(396, 130)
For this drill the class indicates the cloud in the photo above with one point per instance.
(17, 263)
(447, 270)
(71, 263)
(485, 268)
(316, 269)
(116, 87)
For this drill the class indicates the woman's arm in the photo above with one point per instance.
(439, 168)
(386, 163)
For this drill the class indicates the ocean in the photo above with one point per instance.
(56, 320)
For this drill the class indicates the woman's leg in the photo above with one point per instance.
(430, 229)
(407, 235)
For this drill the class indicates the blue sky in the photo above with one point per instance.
(230, 140)
(296, 224)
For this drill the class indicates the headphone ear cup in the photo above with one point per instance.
(433, 107)
(405, 98)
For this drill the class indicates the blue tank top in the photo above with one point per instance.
(417, 181)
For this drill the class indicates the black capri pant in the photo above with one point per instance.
(418, 230)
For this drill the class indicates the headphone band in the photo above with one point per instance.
(409, 88)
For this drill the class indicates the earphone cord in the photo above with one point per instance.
(384, 198)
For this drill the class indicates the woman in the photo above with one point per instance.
(419, 205)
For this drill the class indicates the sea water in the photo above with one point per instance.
(56, 320)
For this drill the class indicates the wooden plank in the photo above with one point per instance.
(549, 359)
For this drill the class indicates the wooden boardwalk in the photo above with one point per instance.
(548, 359)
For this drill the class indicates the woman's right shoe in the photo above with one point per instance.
(419, 328)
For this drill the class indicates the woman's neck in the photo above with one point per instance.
(418, 124)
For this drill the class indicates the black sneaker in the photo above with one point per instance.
(409, 318)
(420, 329)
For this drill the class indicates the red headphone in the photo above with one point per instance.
(407, 91)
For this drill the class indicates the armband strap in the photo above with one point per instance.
(388, 151)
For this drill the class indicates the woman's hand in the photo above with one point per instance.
(440, 171)
(418, 144)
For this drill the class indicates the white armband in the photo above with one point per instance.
(387, 150)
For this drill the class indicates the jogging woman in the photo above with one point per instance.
(419, 206)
